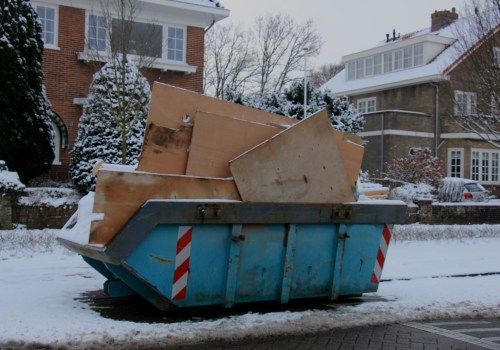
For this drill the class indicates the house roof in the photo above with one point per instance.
(210, 3)
(436, 69)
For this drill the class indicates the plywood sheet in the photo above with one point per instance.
(302, 164)
(165, 150)
(173, 112)
(170, 106)
(119, 194)
(217, 139)
(351, 152)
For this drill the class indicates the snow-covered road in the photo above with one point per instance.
(39, 282)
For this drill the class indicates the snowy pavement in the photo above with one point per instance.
(40, 280)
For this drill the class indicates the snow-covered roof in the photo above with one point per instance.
(435, 69)
(211, 3)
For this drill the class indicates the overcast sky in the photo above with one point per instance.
(346, 26)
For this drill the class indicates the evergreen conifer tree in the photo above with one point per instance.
(26, 133)
(290, 103)
(112, 125)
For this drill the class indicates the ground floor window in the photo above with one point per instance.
(367, 105)
(455, 162)
(484, 165)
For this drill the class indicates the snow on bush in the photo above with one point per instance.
(10, 183)
(411, 193)
(22, 242)
(451, 189)
(290, 103)
(419, 232)
(48, 196)
(420, 166)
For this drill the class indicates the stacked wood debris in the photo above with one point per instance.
(198, 147)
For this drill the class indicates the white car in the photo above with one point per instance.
(453, 189)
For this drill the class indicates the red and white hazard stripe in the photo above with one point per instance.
(382, 251)
(182, 257)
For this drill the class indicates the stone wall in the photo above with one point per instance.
(454, 213)
(5, 212)
(39, 216)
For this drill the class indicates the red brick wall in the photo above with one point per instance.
(66, 77)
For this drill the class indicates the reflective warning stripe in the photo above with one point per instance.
(182, 257)
(381, 254)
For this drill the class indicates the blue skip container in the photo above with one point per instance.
(187, 253)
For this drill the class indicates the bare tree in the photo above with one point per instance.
(479, 43)
(281, 45)
(229, 60)
(324, 73)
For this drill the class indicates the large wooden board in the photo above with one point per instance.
(172, 114)
(217, 139)
(119, 194)
(302, 164)
(165, 150)
(351, 152)
(169, 106)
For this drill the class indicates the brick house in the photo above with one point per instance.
(410, 87)
(77, 42)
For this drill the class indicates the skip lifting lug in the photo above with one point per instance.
(341, 213)
(208, 212)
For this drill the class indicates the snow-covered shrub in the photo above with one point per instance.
(451, 189)
(412, 193)
(420, 166)
(10, 183)
(343, 115)
(290, 103)
(49, 196)
(112, 125)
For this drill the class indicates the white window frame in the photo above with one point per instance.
(367, 105)
(398, 60)
(459, 155)
(470, 103)
(87, 28)
(55, 44)
(386, 62)
(495, 106)
(57, 144)
(485, 164)
(496, 56)
(166, 48)
(162, 63)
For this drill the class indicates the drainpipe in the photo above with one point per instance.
(382, 142)
(436, 120)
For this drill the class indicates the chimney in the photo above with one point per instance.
(441, 19)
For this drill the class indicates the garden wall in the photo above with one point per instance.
(40, 216)
(44, 216)
(455, 213)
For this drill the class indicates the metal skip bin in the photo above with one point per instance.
(191, 253)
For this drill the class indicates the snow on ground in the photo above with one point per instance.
(40, 280)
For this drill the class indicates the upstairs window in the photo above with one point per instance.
(47, 15)
(367, 105)
(160, 41)
(418, 55)
(175, 47)
(398, 59)
(96, 33)
(386, 62)
(465, 103)
(144, 39)
(496, 56)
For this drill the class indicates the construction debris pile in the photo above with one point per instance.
(198, 147)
